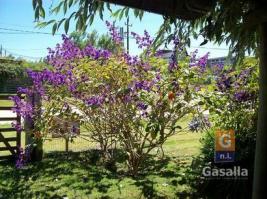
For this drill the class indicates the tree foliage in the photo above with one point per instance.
(103, 41)
(234, 22)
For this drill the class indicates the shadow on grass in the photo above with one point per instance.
(75, 170)
(81, 172)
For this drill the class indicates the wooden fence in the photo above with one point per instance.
(11, 144)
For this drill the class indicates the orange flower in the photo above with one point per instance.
(37, 135)
(171, 96)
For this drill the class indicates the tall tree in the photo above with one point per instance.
(103, 41)
(240, 23)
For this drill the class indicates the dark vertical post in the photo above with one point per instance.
(127, 34)
(37, 150)
(260, 170)
(29, 123)
(19, 132)
(67, 144)
(35, 100)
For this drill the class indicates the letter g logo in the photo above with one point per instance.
(225, 141)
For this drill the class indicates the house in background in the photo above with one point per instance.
(166, 54)
(220, 61)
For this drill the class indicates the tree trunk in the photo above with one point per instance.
(260, 170)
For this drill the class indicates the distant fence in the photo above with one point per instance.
(11, 85)
(78, 143)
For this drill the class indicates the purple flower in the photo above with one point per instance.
(127, 98)
(17, 126)
(159, 53)
(242, 96)
(158, 76)
(20, 159)
(141, 105)
(113, 31)
(223, 82)
(23, 157)
(217, 69)
(95, 101)
(193, 57)
(143, 42)
(202, 62)
(143, 85)
(199, 123)
(21, 107)
(173, 64)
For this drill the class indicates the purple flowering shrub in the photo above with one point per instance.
(133, 104)
(232, 101)
(122, 100)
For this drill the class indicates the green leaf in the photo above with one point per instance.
(42, 12)
(40, 2)
(70, 3)
(153, 135)
(108, 7)
(201, 103)
(78, 24)
(51, 21)
(136, 12)
(41, 24)
(65, 7)
(204, 42)
(34, 3)
(57, 8)
(127, 12)
(121, 14)
(66, 25)
(60, 22)
(115, 14)
(91, 19)
(101, 14)
(141, 15)
(72, 14)
(36, 14)
(54, 28)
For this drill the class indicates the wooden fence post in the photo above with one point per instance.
(29, 123)
(35, 100)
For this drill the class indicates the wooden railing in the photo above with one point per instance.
(9, 141)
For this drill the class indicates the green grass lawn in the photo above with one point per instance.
(75, 176)
(6, 103)
(78, 175)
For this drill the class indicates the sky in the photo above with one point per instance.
(17, 15)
